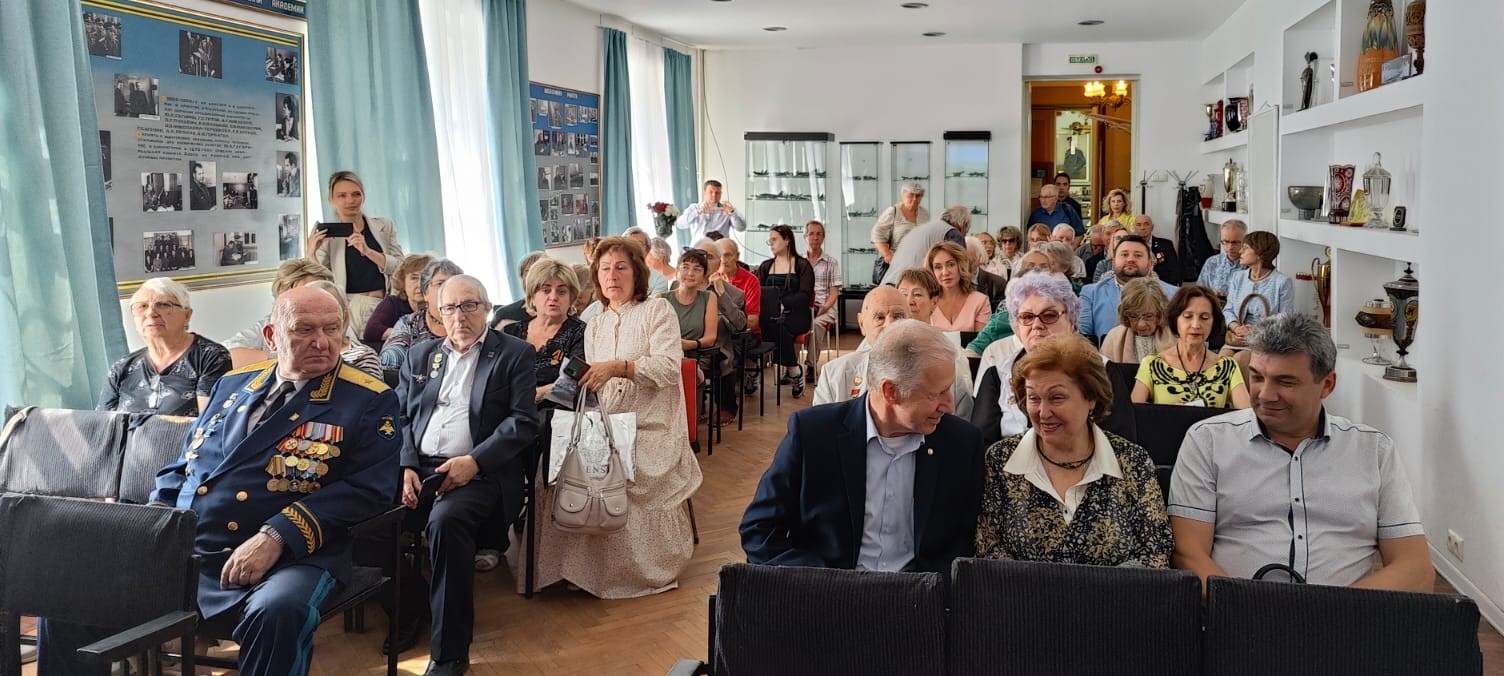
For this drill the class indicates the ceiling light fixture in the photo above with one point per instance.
(933, 34)
(1090, 22)
(775, 29)
(915, 5)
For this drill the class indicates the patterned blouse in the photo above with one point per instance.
(135, 386)
(1169, 385)
(410, 330)
(1118, 521)
(569, 341)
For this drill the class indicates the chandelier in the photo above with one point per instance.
(1096, 92)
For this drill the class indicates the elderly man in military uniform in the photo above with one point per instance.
(469, 420)
(287, 456)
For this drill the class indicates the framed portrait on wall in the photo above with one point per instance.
(1073, 145)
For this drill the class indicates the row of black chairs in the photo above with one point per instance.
(1009, 617)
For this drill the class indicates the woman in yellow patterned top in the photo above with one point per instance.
(1066, 491)
(1188, 373)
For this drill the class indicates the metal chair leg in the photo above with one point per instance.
(693, 528)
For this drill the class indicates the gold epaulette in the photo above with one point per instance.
(350, 374)
(252, 367)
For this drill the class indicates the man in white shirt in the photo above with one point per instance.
(1287, 482)
(846, 377)
(827, 294)
(468, 423)
(710, 214)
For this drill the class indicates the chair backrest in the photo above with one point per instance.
(1121, 422)
(62, 452)
(1014, 617)
(1262, 627)
(788, 620)
(154, 442)
(1161, 429)
(95, 563)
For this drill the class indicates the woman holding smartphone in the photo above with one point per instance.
(362, 259)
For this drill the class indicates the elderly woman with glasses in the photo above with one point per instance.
(1040, 304)
(175, 371)
(1142, 328)
(999, 326)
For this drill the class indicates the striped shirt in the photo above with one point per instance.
(827, 275)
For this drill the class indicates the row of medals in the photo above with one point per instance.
(300, 465)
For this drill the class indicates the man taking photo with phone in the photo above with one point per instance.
(710, 214)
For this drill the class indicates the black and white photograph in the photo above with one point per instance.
(542, 210)
(200, 55)
(553, 213)
(555, 114)
(135, 96)
(571, 146)
(576, 176)
(595, 208)
(240, 190)
(161, 191)
(580, 207)
(556, 143)
(566, 204)
(289, 228)
(104, 157)
(532, 106)
(592, 141)
(289, 175)
(595, 177)
(571, 114)
(561, 178)
(281, 65)
(168, 251)
(103, 34)
(540, 142)
(288, 118)
(201, 185)
(545, 178)
(595, 114)
(236, 248)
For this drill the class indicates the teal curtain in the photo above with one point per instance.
(59, 312)
(372, 113)
(520, 224)
(679, 91)
(617, 211)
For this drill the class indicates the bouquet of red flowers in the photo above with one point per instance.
(664, 216)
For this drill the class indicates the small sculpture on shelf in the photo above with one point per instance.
(1237, 114)
(1307, 80)
(1376, 320)
(1307, 200)
(1376, 183)
(1380, 43)
(1230, 175)
(1321, 273)
(1340, 192)
(1211, 122)
(1404, 296)
(1415, 32)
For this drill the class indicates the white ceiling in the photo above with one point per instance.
(851, 23)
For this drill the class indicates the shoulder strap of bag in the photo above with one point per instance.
(579, 421)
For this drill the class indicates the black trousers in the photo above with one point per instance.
(452, 522)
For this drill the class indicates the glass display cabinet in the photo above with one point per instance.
(966, 175)
(911, 162)
(859, 210)
(786, 175)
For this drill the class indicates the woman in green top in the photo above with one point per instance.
(694, 305)
(1188, 373)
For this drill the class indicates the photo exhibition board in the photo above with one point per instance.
(567, 150)
(201, 135)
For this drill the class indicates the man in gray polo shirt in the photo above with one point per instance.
(1286, 482)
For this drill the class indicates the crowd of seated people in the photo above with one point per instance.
(1027, 470)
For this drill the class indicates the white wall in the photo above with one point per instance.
(1167, 118)
(1454, 461)
(868, 94)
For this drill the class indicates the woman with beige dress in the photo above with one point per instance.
(634, 352)
(363, 262)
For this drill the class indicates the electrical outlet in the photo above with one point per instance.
(1454, 544)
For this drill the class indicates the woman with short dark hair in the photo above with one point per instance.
(1258, 292)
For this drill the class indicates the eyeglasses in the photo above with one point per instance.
(1007, 241)
(1146, 317)
(466, 307)
(161, 306)
(1047, 317)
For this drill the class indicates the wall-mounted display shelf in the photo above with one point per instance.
(859, 211)
(1228, 142)
(966, 175)
(786, 185)
(1371, 107)
(1218, 216)
(911, 163)
(1399, 246)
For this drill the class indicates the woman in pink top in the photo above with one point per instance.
(960, 306)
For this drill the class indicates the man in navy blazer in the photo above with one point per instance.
(468, 422)
(889, 481)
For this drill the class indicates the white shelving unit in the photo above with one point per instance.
(1400, 246)
(1228, 142)
(1218, 216)
(1372, 107)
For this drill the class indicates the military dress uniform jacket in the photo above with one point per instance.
(503, 415)
(324, 461)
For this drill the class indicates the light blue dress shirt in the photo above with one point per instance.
(1217, 272)
(1099, 306)
(888, 515)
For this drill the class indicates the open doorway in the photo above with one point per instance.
(1090, 138)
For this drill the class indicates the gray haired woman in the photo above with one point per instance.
(1040, 304)
(895, 222)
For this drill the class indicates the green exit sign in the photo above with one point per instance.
(1088, 59)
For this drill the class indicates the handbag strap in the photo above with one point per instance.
(1243, 306)
(579, 419)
